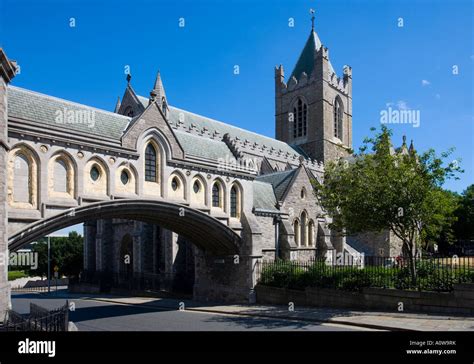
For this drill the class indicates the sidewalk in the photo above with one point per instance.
(372, 320)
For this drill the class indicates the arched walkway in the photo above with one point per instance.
(206, 232)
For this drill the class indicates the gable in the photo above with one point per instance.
(152, 118)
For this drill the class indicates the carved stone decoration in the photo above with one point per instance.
(44, 148)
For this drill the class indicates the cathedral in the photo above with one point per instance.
(251, 189)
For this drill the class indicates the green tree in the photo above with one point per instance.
(378, 190)
(464, 226)
(66, 253)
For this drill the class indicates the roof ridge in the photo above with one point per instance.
(277, 172)
(21, 89)
(232, 126)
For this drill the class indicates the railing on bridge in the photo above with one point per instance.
(39, 319)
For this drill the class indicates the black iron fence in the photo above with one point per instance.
(42, 285)
(180, 281)
(39, 319)
(354, 273)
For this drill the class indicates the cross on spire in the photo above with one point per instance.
(311, 11)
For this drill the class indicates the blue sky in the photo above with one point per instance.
(407, 67)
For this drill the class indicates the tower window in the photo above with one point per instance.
(300, 122)
(338, 115)
(150, 163)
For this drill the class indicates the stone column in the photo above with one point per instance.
(90, 231)
(7, 72)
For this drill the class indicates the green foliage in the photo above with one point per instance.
(379, 190)
(431, 276)
(66, 253)
(15, 274)
(464, 225)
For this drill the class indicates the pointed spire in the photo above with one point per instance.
(412, 148)
(117, 105)
(158, 91)
(403, 149)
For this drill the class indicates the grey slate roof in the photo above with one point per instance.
(263, 196)
(279, 180)
(212, 125)
(195, 145)
(305, 62)
(41, 108)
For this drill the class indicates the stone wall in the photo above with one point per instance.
(460, 301)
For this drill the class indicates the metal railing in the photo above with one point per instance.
(39, 319)
(432, 274)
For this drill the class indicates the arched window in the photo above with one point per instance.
(311, 233)
(176, 189)
(304, 229)
(338, 116)
(296, 229)
(300, 118)
(60, 176)
(235, 202)
(303, 193)
(217, 195)
(21, 179)
(96, 177)
(22, 183)
(150, 164)
(198, 195)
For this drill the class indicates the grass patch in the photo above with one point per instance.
(15, 274)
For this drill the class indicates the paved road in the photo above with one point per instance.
(92, 315)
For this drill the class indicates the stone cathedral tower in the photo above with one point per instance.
(314, 108)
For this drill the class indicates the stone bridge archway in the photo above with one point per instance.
(205, 231)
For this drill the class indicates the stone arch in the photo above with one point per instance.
(126, 180)
(61, 175)
(178, 193)
(23, 186)
(99, 186)
(218, 198)
(205, 231)
(236, 200)
(198, 190)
